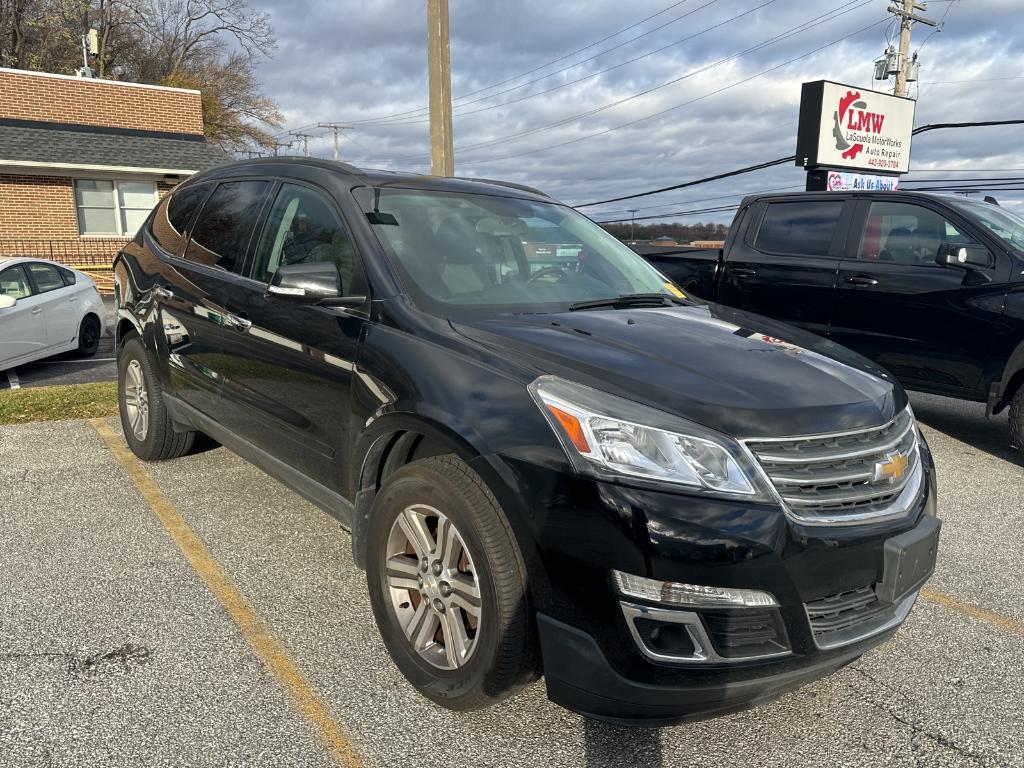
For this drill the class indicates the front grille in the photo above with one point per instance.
(846, 617)
(826, 478)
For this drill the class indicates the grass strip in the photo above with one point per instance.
(69, 401)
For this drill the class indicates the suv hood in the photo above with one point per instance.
(732, 371)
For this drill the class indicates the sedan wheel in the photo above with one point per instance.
(88, 336)
(433, 587)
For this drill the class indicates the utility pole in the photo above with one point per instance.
(305, 140)
(907, 19)
(632, 223)
(442, 150)
(335, 127)
(277, 145)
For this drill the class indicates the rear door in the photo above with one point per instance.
(931, 326)
(289, 370)
(59, 313)
(784, 265)
(21, 327)
(195, 312)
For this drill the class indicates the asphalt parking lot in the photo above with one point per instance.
(196, 612)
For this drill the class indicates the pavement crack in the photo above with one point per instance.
(916, 729)
(125, 659)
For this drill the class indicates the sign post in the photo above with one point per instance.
(853, 138)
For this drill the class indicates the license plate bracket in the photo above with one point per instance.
(909, 560)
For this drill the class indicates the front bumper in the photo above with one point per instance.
(579, 677)
(575, 531)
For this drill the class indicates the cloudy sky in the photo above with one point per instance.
(591, 99)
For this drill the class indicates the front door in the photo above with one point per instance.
(289, 371)
(22, 334)
(925, 323)
(785, 265)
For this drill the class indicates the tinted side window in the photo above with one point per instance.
(222, 231)
(14, 282)
(68, 275)
(173, 214)
(46, 277)
(906, 234)
(303, 227)
(799, 228)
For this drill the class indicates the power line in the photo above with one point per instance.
(831, 15)
(792, 158)
(698, 212)
(676, 106)
(584, 61)
(546, 64)
(695, 182)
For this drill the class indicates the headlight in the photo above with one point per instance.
(611, 437)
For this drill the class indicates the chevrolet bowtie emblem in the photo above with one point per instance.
(893, 468)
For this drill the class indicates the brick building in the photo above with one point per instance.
(83, 161)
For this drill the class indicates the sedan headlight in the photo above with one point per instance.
(611, 437)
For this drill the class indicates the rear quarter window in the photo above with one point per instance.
(169, 224)
(799, 228)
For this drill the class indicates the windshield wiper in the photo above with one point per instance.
(627, 300)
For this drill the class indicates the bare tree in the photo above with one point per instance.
(180, 32)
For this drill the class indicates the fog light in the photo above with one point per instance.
(693, 595)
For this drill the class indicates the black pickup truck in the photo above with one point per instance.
(929, 286)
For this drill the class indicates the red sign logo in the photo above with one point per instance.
(853, 116)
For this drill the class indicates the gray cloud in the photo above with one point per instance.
(342, 60)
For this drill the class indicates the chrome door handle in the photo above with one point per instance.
(163, 293)
(861, 280)
(37, 310)
(742, 272)
(72, 298)
(240, 323)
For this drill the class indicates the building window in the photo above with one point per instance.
(113, 207)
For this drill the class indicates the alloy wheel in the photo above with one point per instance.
(433, 586)
(136, 400)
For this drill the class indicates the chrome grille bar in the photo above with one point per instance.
(846, 476)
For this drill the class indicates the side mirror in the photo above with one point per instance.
(318, 283)
(968, 256)
(306, 283)
(7, 301)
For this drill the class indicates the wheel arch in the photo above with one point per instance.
(1012, 378)
(393, 441)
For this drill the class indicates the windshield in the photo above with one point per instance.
(460, 250)
(1006, 226)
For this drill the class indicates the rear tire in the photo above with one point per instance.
(472, 586)
(1017, 418)
(88, 336)
(147, 425)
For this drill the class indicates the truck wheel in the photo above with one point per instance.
(1017, 418)
(448, 585)
(144, 419)
(88, 336)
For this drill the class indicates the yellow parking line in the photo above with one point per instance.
(975, 612)
(264, 643)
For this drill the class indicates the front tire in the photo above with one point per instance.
(147, 425)
(1017, 418)
(448, 585)
(88, 336)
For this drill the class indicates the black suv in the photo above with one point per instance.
(548, 457)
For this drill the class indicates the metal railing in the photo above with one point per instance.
(93, 255)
